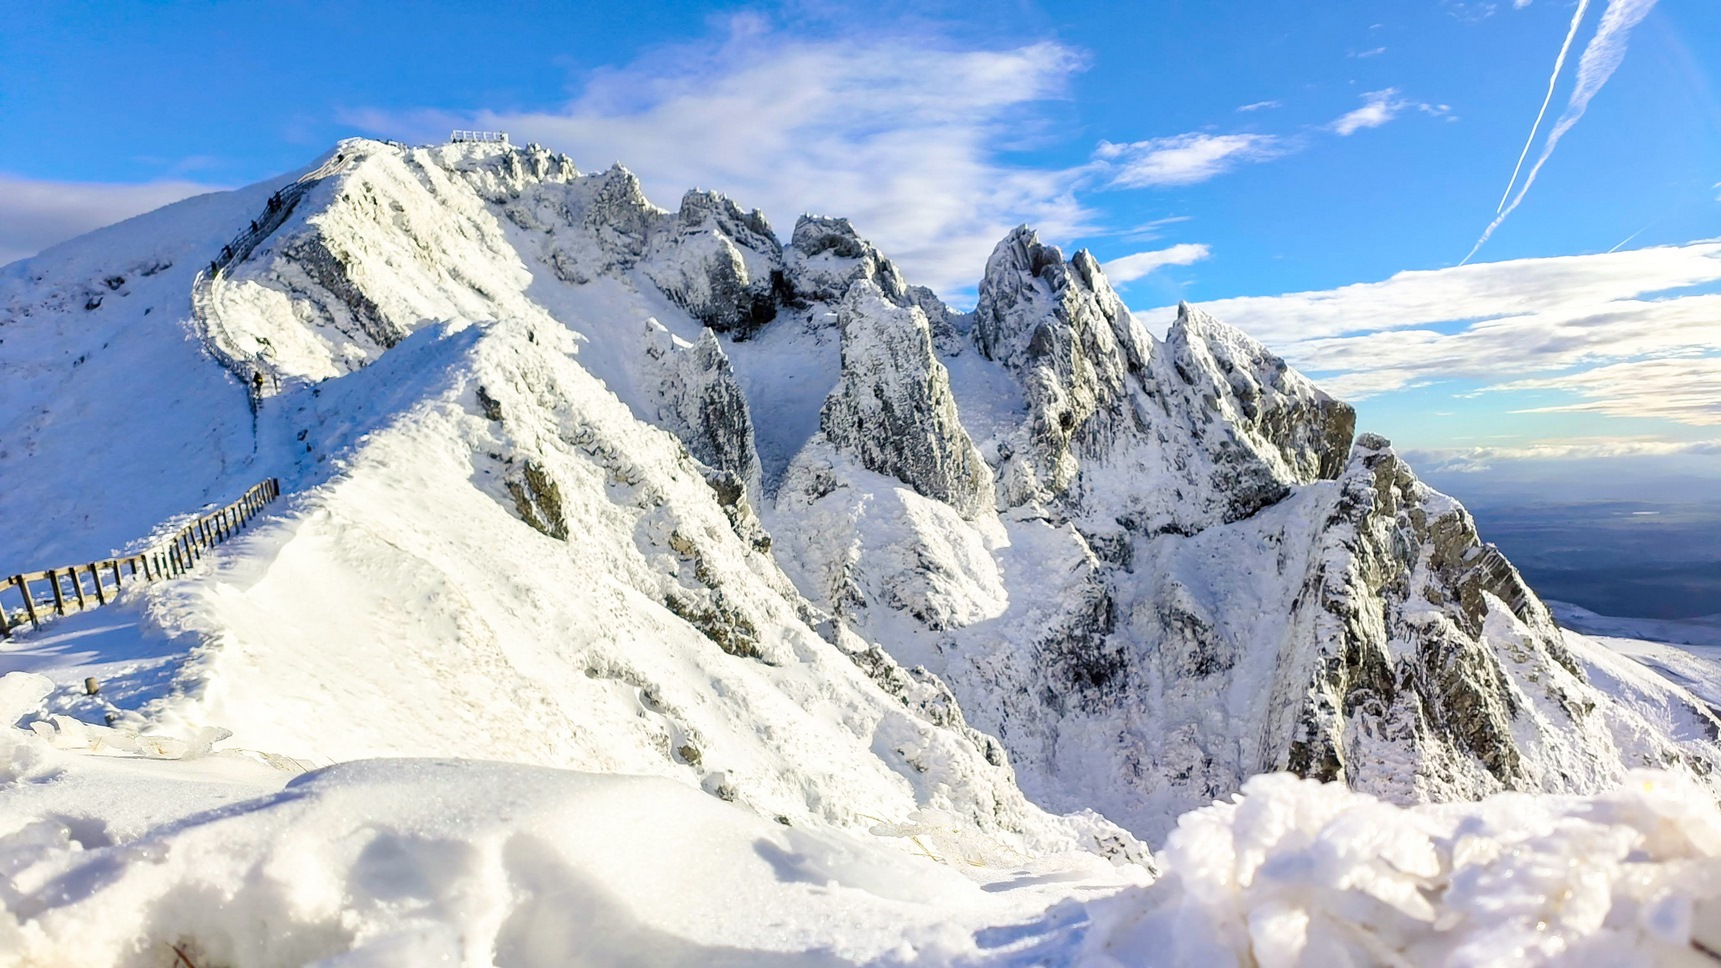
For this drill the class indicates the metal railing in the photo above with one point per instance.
(486, 137)
(239, 249)
(67, 591)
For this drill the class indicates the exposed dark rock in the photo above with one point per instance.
(538, 499)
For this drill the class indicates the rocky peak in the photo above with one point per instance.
(1254, 398)
(827, 257)
(619, 217)
(1017, 291)
(894, 410)
(1075, 349)
(713, 211)
(724, 266)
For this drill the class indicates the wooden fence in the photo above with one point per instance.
(86, 586)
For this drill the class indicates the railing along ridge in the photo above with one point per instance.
(170, 559)
(280, 206)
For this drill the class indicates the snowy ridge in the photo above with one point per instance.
(503, 558)
(575, 481)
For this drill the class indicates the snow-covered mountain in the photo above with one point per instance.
(573, 480)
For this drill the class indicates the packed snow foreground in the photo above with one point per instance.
(647, 590)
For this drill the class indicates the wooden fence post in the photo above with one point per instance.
(166, 560)
(29, 605)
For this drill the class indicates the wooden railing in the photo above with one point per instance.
(81, 587)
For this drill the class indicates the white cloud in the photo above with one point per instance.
(1378, 108)
(1131, 267)
(1183, 159)
(1572, 285)
(1685, 390)
(35, 214)
(1516, 346)
(1260, 106)
(900, 135)
(1479, 459)
(1372, 52)
(1596, 329)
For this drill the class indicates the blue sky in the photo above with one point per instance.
(1314, 173)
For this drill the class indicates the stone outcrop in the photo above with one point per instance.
(723, 265)
(701, 402)
(893, 409)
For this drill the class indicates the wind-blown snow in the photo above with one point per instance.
(127, 856)
(122, 858)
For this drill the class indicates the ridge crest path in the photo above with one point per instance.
(206, 316)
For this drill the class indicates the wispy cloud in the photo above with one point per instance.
(1648, 457)
(790, 124)
(1184, 159)
(1677, 389)
(1371, 52)
(1260, 106)
(1148, 231)
(1380, 107)
(1425, 297)
(1595, 329)
(1131, 267)
(1601, 57)
(35, 214)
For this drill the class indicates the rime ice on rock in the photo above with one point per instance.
(724, 266)
(702, 403)
(893, 409)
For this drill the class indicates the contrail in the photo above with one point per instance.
(1600, 59)
(1553, 80)
(1633, 236)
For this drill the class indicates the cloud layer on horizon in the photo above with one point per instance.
(36, 214)
(1617, 334)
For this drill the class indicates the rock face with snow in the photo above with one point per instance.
(678, 499)
(893, 409)
(723, 266)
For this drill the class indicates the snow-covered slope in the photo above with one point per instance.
(579, 481)
(115, 854)
(483, 550)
